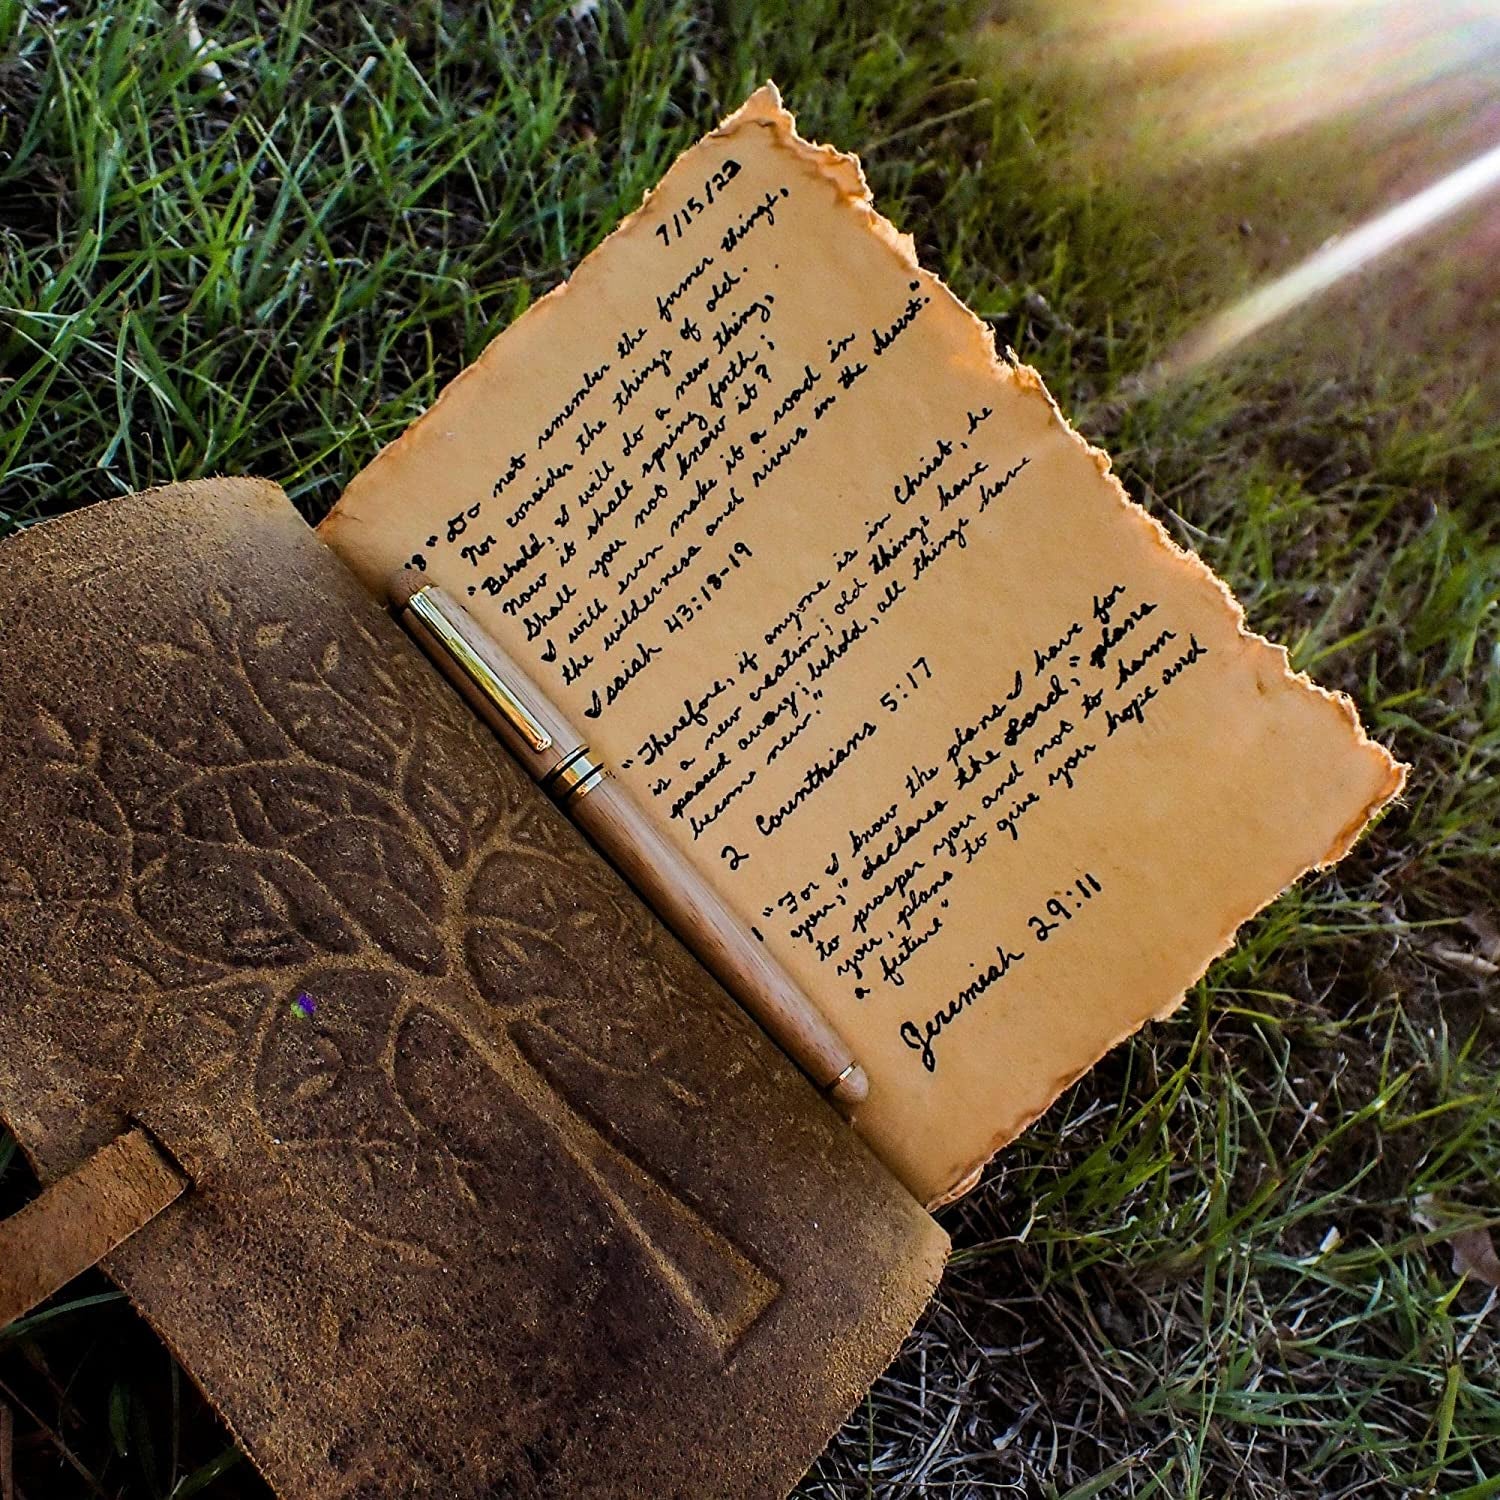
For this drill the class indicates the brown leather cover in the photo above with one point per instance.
(495, 1192)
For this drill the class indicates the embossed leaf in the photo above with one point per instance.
(110, 949)
(51, 737)
(145, 774)
(457, 785)
(538, 952)
(68, 833)
(379, 875)
(396, 924)
(559, 886)
(242, 906)
(337, 828)
(270, 803)
(318, 1079)
(326, 701)
(518, 969)
(325, 1077)
(542, 986)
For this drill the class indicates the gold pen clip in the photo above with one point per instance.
(478, 670)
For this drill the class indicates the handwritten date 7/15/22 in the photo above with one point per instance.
(697, 204)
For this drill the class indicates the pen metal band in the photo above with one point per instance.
(829, 1087)
(478, 670)
(575, 776)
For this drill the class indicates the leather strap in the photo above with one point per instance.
(81, 1218)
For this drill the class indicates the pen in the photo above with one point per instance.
(557, 758)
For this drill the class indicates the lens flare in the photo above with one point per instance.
(1336, 261)
(1221, 75)
(1323, 109)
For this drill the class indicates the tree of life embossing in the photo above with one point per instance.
(310, 817)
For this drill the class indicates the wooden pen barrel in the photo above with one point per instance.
(556, 756)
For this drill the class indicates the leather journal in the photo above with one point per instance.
(435, 1159)
(493, 1192)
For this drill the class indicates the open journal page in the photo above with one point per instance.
(991, 765)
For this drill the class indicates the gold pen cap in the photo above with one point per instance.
(494, 683)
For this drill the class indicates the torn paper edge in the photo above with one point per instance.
(764, 107)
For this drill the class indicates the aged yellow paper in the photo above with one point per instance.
(991, 765)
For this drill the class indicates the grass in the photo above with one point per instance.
(1221, 1264)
